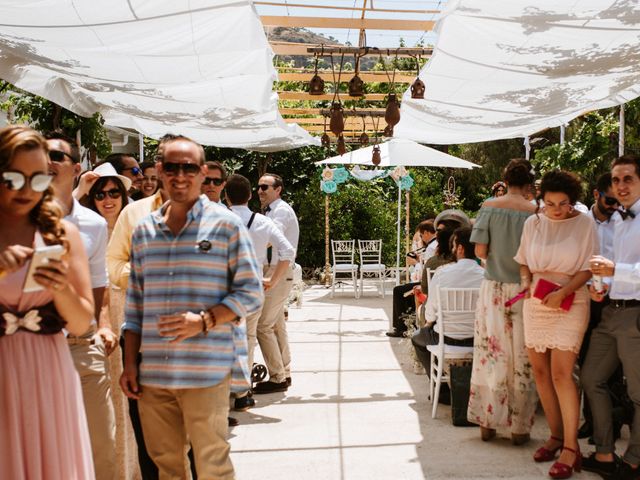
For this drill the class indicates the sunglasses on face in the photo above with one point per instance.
(134, 170)
(608, 201)
(216, 181)
(264, 187)
(113, 193)
(38, 182)
(172, 169)
(58, 156)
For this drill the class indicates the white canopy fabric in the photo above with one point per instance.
(510, 68)
(399, 151)
(201, 68)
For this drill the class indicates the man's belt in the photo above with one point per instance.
(620, 304)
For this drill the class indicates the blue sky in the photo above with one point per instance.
(375, 38)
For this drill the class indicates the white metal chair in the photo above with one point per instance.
(460, 301)
(371, 265)
(344, 264)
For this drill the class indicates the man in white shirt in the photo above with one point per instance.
(215, 181)
(272, 329)
(605, 205)
(617, 338)
(263, 232)
(89, 351)
(463, 273)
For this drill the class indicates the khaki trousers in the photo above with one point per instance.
(171, 418)
(272, 329)
(90, 360)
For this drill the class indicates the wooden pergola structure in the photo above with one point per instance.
(362, 113)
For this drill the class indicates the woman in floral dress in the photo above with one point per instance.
(503, 393)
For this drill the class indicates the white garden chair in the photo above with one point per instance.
(344, 265)
(371, 265)
(459, 301)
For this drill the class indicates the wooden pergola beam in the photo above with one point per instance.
(388, 52)
(352, 123)
(346, 76)
(347, 131)
(334, 7)
(347, 23)
(315, 111)
(373, 97)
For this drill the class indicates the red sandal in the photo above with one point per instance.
(562, 470)
(544, 454)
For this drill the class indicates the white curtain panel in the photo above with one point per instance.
(201, 68)
(510, 68)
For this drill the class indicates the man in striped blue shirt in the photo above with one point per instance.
(193, 277)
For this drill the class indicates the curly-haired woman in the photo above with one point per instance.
(555, 247)
(43, 431)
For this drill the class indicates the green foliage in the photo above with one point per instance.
(45, 116)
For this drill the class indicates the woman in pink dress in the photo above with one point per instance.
(43, 430)
(556, 246)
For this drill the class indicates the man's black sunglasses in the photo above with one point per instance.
(264, 187)
(171, 168)
(609, 201)
(216, 181)
(113, 193)
(134, 170)
(58, 156)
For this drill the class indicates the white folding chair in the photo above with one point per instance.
(460, 301)
(371, 265)
(344, 264)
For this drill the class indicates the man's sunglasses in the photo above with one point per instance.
(190, 169)
(134, 170)
(264, 187)
(38, 182)
(58, 156)
(609, 201)
(113, 193)
(216, 181)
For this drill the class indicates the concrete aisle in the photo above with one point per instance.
(356, 410)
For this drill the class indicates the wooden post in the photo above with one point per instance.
(407, 244)
(327, 264)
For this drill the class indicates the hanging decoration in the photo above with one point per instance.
(316, 84)
(449, 195)
(325, 140)
(376, 158)
(342, 149)
(336, 112)
(417, 87)
(356, 85)
(392, 112)
(331, 178)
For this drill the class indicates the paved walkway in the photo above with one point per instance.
(356, 410)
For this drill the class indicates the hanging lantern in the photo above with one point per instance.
(325, 140)
(336, 118)
(417, 89)
(376, 158)
(356, 86)
(392, 113)
(363, 139)
(342, 149)
(316, 84)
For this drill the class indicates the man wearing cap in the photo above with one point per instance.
(89, 351)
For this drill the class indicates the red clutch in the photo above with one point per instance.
(545, 287)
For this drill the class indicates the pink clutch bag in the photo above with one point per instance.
(545, 287)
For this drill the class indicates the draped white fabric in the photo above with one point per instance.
(399, 151)
(510, 68)
(202, 68)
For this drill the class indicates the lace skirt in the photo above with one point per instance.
(552, 328)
